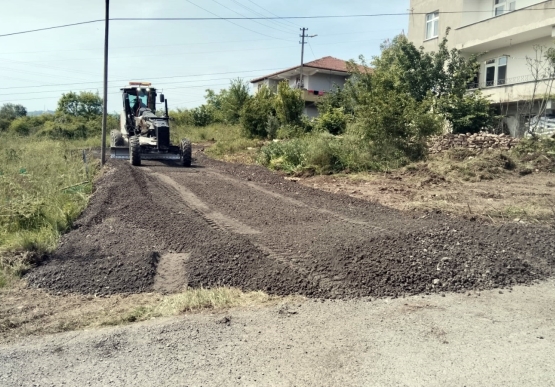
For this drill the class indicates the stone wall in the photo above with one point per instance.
(477, 142)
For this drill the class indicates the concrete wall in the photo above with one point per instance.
(323, 82)
(487, 32)
(417, 23)
(517, 69)
(476, 10)
(311, 111)
(479, 10)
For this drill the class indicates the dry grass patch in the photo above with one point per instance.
(28, 312)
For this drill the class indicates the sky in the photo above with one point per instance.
(181, 58)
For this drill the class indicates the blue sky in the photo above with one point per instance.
(36, 68)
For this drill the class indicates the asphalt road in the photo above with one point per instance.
(458, 340)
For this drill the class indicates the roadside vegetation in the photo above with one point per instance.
(28, 312)
(381, 120)
(46, 174)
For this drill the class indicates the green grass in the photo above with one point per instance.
(188, 301)
(322, 153)
(227, 139)
(44, 186)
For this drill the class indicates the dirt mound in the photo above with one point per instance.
(246, 227)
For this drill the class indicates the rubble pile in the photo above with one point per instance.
(477, 142)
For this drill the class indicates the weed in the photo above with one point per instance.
(35, 209)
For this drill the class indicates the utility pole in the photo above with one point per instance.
(105, 96)
(303, 36)
(302, 42)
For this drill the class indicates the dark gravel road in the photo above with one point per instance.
(247, 227)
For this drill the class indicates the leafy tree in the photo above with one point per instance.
(234, 99)
(85, 104)
(440, 77)
(10, 112)
(336, 98)
(333, 121)
(289, 104)
(226, 105)
(395, 119)
(256, 112)
(202, 116)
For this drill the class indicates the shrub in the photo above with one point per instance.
(322, 153)
(20, 126)
(202, 116)
(289, 104)
(272, 127)
(255, 113)
(333, 121)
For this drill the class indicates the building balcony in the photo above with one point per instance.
(511, 28)
(312, 95)
(516, 89)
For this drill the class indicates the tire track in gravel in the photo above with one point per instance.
(214, 218)
(296, 202)
(273, 250)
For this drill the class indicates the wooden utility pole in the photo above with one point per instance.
(105, 96)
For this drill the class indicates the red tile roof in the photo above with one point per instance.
(325, 63)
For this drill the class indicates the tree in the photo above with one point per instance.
(9, 112)
(234, 100)
(85, 104)
(226, 105)
(440, 78)
(256, 112)
(542, 69)
(289, 104)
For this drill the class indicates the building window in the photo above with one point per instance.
(501, 7)
(496, 72)
(432, 25)
(502, 70)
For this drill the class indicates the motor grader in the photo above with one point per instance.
(143, 134)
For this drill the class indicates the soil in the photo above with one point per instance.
(481, 187)
(246, 227)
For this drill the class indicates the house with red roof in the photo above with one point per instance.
(319, 77)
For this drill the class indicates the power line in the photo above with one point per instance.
(179, 54)
(188, 44)
(281, 24)
(93, 88)
(271, 13)
(149, 78)
(230, 19)
(311, 50)
(51, 28)
(256, 21)
(116, 92)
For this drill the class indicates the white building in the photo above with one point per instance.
(503, 33)
(319, 77)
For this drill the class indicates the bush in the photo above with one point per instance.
(181, 117)
(272, 127)
(256, 112)
(322, 153)
(289, 104)
(20, 126)
(333, 121)
(202, 116)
